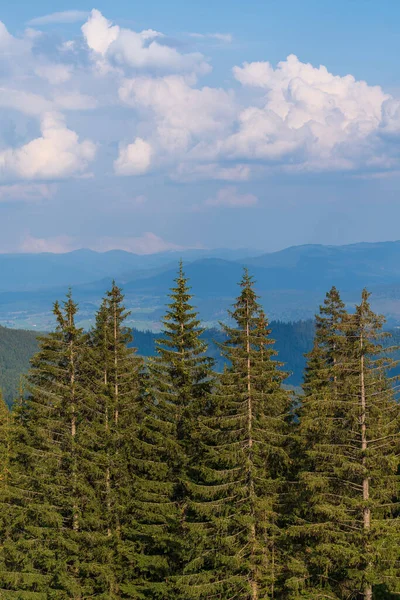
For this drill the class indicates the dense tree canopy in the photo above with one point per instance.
(163, 479)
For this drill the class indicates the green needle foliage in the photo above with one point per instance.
(120, 480)
(345, 537)
(179, 390)
(113, 375)
(41, 553)
(5, 425)
(238, 494)
(5, 455)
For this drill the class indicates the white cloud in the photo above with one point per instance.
(58, 244)
(54, 73)
(183, 115)
(227, 38)
(12, 47)
(140, 50)
(24, 101)
(56, 154)
(66, 16)
(310, 116)
(230, 197)
(298, 118)
(68, 46)
(133, 159)
(99, 32)
(288, 117)
(21, 192)
(148, 243)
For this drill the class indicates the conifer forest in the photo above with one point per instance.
(162, 479)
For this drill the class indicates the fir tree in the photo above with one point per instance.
(179, 388)
(113, 374)
(344, 536)
(238, 493)
(40, 555)
(322, 361)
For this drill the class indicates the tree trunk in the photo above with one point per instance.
(75, 520)
(253, 582)
(108, 474)
(75, 516)
(364, 446)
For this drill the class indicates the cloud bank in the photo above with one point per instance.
(148, 243)
(291, 118)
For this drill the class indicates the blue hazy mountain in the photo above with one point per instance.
(291, 283)
(34, 271)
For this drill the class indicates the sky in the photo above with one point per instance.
(172, 124)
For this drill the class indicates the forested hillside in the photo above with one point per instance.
(16, 349)
(293, 341)
(162, 479)
(18, 346)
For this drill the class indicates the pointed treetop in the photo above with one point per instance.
(247, 279)
(365, 294)
(180, 270)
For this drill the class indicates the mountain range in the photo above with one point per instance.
(291, 283)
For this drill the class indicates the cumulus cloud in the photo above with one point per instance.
(310, 115)
(99, 32)
(156, 109)
(184, 115)
(56, 154)
(140, 50)
(32, 192)
(230, 197)
(133, 159)
(297, 117)
(66, 16)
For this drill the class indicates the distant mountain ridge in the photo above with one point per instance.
(33, 271)
(291, 282)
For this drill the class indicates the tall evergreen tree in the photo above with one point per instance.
(113, 374)
(323, 364)
(179, 388)
(40, 556)
(238, 493)
(344, 534)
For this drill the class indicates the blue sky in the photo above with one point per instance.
(157, 125)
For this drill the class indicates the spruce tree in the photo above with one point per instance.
(237, 495)
(113, 374)
(344, 535)
(40, 556)
(178, 392)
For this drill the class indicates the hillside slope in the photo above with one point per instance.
(16, 349)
